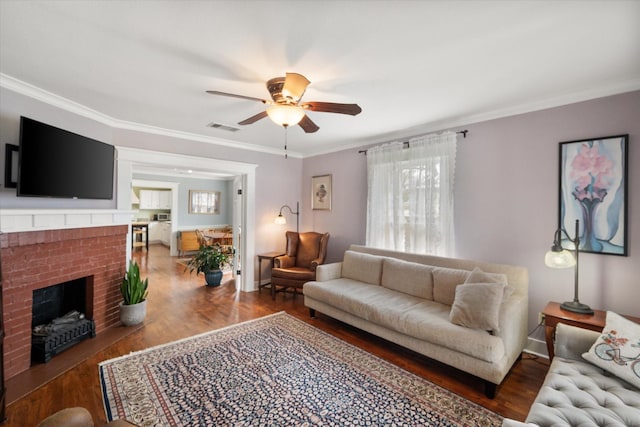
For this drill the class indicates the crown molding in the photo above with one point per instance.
(50, 98)
(467, 120)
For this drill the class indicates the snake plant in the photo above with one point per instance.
(133, 288)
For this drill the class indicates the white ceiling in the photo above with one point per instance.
(413, 66)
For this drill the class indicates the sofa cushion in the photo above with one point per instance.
(445, 281)
(617, 350)
(477, 305)
(409, 277)
(363, 267)
(416, 317)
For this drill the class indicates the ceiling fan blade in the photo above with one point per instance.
(253, 119)
(233, 95)
(294, 86)
(308, 125)
(332, 107)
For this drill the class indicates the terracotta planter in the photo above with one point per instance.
(133, 314)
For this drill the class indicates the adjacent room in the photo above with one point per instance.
(290, 212)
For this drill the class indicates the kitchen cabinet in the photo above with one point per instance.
(155, 199)
(165, 233)
(155, 231)
(164, 199)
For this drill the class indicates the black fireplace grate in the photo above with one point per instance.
(43, 348)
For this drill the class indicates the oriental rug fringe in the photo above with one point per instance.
(279, 371)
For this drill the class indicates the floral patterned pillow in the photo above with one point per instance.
(618, 349)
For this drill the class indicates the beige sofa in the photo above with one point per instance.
(410, 299)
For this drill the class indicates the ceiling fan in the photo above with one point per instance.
(285, 107)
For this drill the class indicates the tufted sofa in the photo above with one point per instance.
(577, 393)
(415, 301)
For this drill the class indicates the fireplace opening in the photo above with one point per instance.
(59, 318)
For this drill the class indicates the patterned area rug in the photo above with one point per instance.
(279, 371)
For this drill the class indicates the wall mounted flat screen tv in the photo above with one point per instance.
(53, 162)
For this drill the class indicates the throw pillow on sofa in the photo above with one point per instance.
(617, 350)
(479, 276)
(477, 306)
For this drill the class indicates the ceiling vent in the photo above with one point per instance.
(223, 127)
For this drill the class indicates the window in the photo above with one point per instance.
(410, 195)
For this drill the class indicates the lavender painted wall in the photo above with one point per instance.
(506, 199)
(506, 190)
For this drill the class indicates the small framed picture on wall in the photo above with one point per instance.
(321, 192)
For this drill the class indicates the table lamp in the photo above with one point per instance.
(558, 257)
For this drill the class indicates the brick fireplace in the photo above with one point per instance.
(37, 259)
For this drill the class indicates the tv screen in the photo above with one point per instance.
(57, 163)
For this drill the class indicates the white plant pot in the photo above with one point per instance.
(133, 314)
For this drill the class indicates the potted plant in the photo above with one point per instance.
(133, 308)
(209, 260)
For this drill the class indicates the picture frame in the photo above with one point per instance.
(321, 192)
(593, 181)
(204, 202)
(11, 165)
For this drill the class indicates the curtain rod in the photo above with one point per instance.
(463, 132)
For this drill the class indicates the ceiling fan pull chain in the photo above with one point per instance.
(285, 141)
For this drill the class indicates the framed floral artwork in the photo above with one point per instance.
(321, 192)
(593, 189)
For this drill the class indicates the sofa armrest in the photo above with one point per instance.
(284, 261)
(327, 272)
(514, 324)
(571, 342)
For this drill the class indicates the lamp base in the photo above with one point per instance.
(576, 307)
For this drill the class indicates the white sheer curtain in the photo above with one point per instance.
(410, 195)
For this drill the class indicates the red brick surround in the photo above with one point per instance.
(37, 259)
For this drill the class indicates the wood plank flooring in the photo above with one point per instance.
(180, 306)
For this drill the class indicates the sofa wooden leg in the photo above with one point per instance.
(490, 389)
(312, 313)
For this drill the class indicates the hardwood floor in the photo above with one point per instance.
(180, 306)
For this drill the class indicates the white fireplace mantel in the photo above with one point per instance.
(20, 220)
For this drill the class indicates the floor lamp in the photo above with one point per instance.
(280, 219)
(558, 257)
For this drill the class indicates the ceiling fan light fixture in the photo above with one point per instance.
(285, 115)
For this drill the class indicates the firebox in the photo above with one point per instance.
(58, 319)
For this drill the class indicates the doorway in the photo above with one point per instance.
(130, 159)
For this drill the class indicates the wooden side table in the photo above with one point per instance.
(553, 315)
(269, 256)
